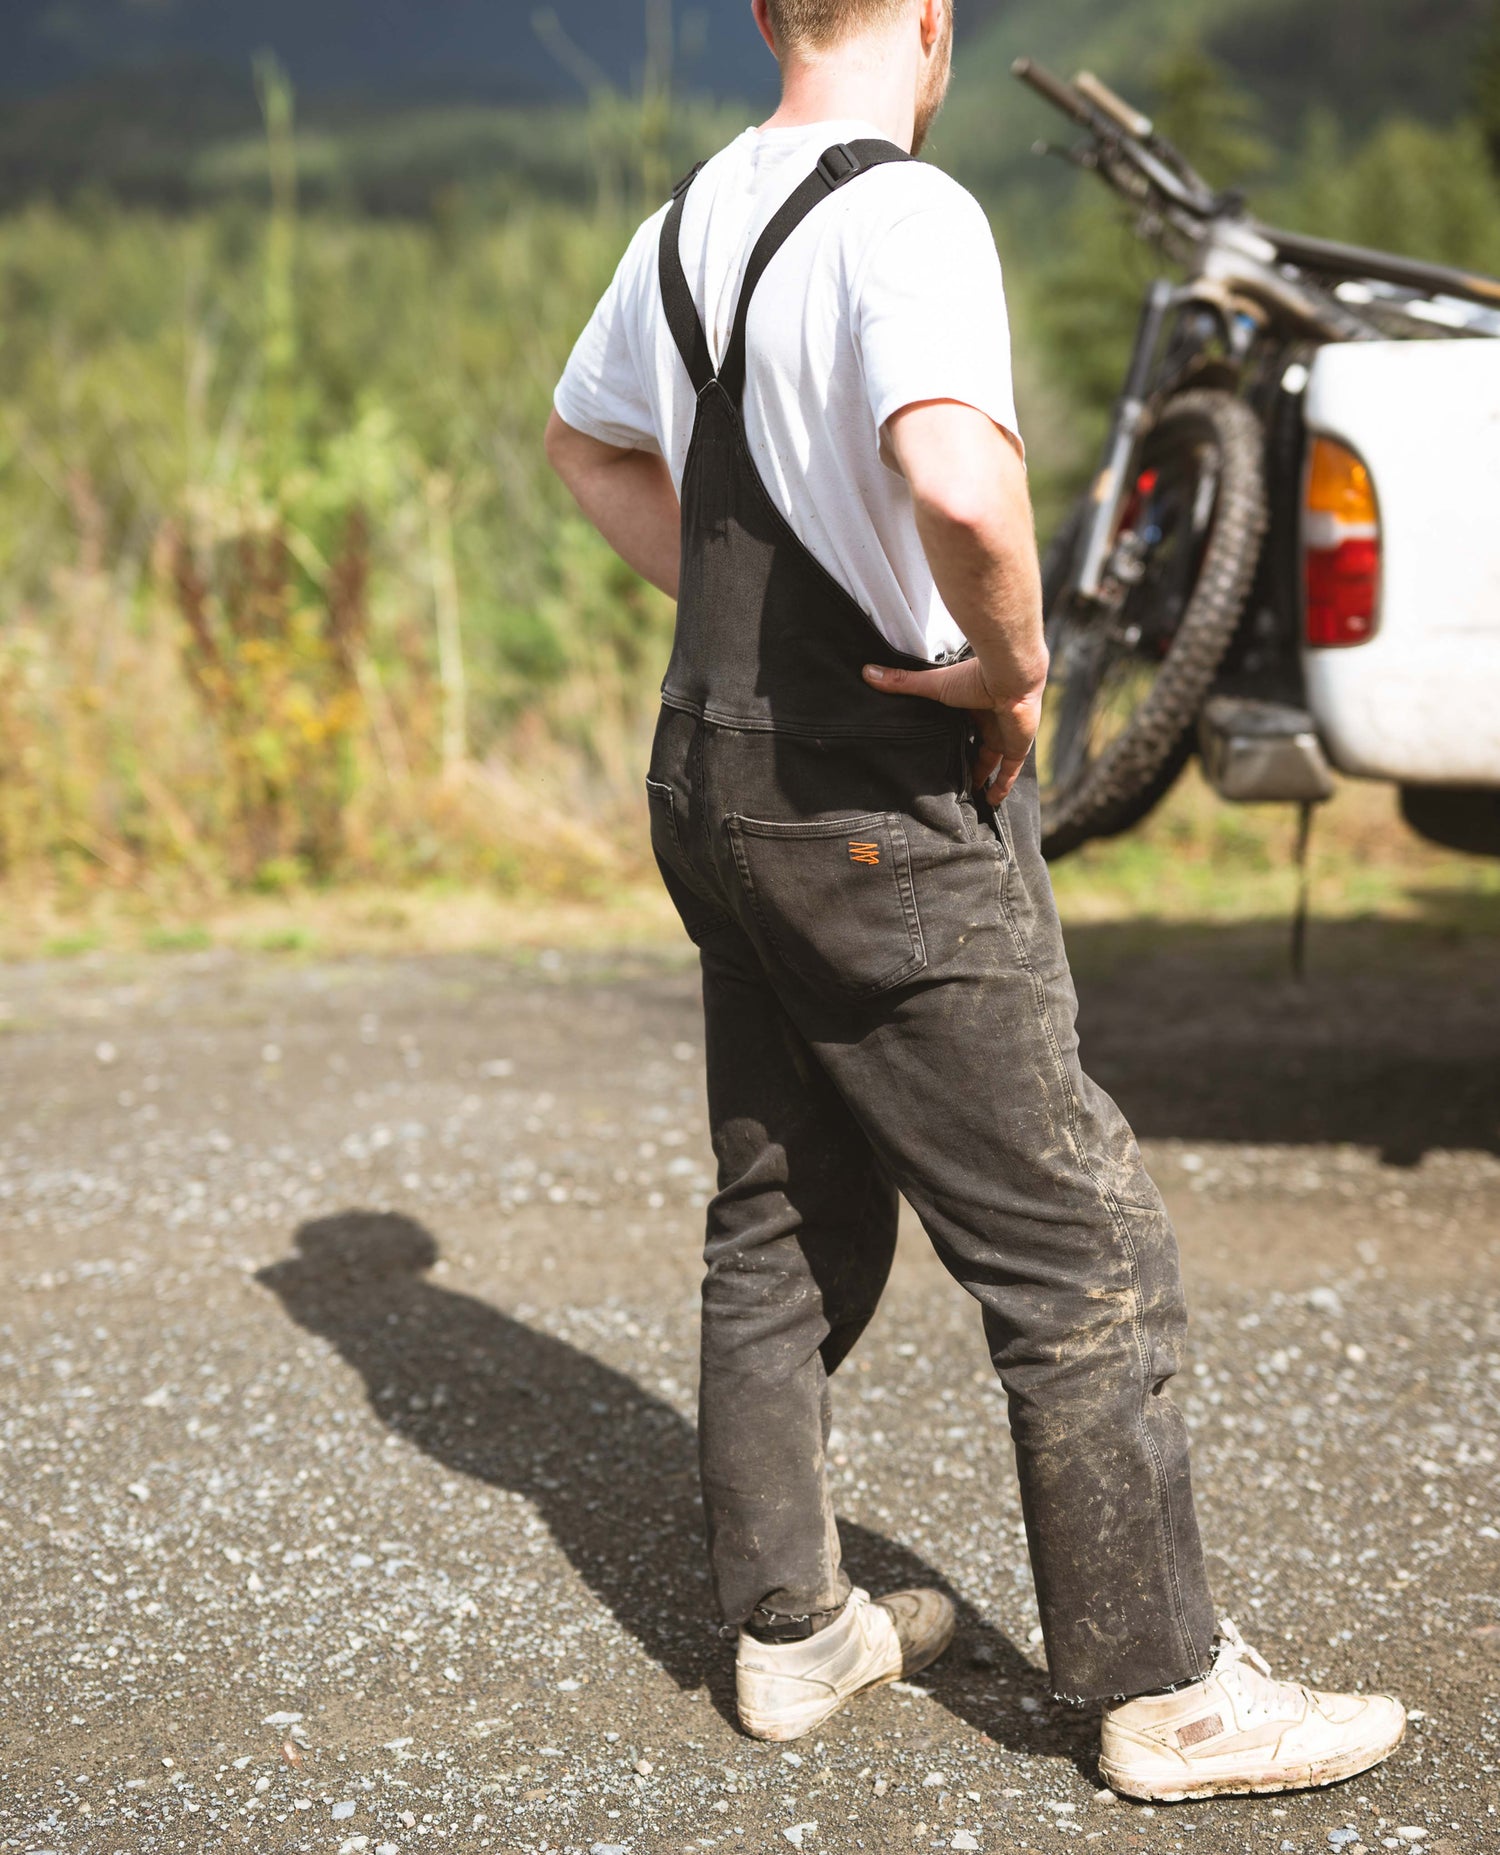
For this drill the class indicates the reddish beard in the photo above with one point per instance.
(935, 86)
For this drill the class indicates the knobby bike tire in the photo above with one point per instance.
(1143, 762)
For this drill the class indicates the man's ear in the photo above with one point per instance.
(763, 20)
(933, 13)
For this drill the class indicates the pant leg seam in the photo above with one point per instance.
(1122, 1228)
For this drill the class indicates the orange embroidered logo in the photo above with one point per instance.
(864, 853)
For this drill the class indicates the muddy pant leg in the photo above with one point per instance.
(799, 1246)
(1028, 1180)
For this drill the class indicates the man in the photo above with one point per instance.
(792, 411)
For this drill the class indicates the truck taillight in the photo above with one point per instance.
(1340, 546)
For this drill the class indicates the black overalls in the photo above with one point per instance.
(889, 1007)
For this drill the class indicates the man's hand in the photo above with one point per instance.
(973, 512)
(1007, 724)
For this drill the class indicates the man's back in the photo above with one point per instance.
(890, 294)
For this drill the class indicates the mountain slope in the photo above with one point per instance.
(1357, 56)
(382, 45)
(141, 93)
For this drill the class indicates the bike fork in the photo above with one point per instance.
(1110, 484)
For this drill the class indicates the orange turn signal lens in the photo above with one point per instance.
(1338, 484)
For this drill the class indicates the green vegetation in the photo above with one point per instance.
(281, 570)
(287, 596)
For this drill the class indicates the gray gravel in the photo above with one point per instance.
(348, 1354)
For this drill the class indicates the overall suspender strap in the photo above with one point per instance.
(677, 298)
(837, 166)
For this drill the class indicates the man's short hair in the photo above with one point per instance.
(815, 23)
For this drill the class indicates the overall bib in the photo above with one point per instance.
(889, 1009)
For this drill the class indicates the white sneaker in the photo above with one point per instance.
(785, 1688)
(1239, 1731)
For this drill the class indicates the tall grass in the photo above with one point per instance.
(284, 587)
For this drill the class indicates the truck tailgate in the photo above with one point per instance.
(1419, 702)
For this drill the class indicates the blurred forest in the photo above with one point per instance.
(287, 595)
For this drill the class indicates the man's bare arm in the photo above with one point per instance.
(627, 495)
(974, 517)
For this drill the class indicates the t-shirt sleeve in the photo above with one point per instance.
(602, 392)
(929, 305)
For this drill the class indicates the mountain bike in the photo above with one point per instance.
(1185, 590)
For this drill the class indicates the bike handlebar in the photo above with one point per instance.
(1125, 142)
(1060, 95)
(1122, 114)
(1124, 131)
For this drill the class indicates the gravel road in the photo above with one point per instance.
(348, 1352)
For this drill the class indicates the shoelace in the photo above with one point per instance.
(1248, 1670)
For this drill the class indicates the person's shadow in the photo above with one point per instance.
(611, 1469)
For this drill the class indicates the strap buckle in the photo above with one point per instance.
(838, 164)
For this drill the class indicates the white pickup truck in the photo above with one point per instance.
(1398, 579)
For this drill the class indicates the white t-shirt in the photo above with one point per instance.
(887, 294)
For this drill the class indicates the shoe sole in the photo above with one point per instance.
(776, 1732)
(1267, 1782)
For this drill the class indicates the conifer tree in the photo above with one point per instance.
(1487, 87)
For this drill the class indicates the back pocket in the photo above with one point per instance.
(834, 898)
(666, 839)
